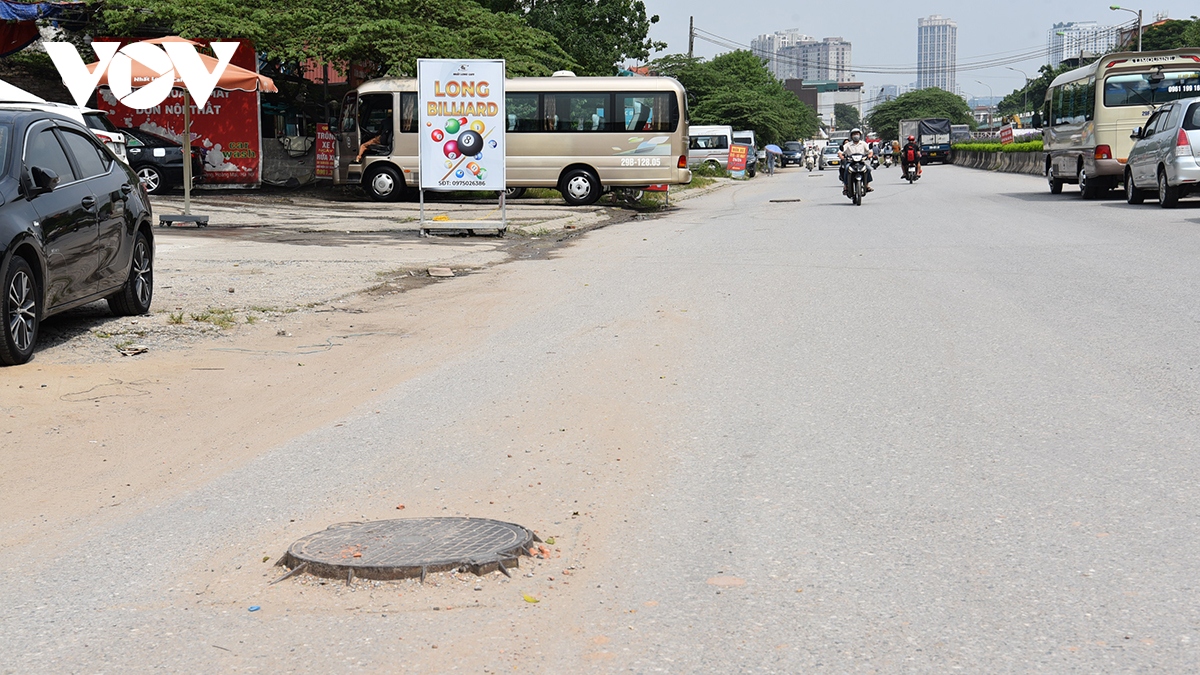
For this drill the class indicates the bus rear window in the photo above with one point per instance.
(1145, 89)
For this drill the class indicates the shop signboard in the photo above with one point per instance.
(226, 127)
(326, 151)
(737, 159)
(462, 124)
(1006, 134)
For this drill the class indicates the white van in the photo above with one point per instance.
(709, 145)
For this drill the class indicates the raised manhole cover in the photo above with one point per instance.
(409, 547)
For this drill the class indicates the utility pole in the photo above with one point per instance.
(691, 35)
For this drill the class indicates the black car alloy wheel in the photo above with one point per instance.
(134, 298)
(21, 313)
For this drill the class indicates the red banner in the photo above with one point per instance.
(326, 151)
(1006, 134)
(737, 157)
(227, 128)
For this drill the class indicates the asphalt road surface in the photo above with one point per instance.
(955, 428)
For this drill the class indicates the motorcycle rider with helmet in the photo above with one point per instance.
(855, 146)
(910, 154)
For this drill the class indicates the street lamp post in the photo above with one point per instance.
(990, 99)
(1024, 90)
(1139, 20)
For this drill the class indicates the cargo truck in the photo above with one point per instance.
(932, 134)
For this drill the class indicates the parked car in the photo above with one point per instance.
(74, 227)
(95, 120)
(793, 153)
(158, 161)
(829, 156)
(1166, 154)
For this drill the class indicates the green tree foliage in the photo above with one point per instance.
(885, 117)
(1171, 34)
(388, 34)
(737, 89)
(1191, 34)
(597, 34)
(845, 116)
(1034, 92)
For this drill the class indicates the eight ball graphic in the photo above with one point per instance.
(470, 143)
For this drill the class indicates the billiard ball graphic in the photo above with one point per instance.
(470, 143)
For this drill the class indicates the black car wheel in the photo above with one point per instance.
(580, 187)
(514, 193)
(134, 297)
(152, 179)
(22, 313)
(384, 184)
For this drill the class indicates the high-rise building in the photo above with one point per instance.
(769, 46)
(794, 55)
(1069, 39)
(937, 53)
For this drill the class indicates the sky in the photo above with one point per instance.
(884, 32)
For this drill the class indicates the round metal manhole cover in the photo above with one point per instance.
(410, 547)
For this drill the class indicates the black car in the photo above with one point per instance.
(74, 227)
(158, 161)
(793, 153)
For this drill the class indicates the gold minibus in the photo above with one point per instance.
(579, 135)
(1091, 111)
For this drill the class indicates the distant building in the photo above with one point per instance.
(823, 95)
(1067, 40)
(768, 46)
(792, 55)
(937, 53)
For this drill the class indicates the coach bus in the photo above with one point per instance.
(1091, 111)
(579, 135)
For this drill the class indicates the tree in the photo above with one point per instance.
(885, 117)
(1034, 92)
(597, 34)
(845, 116)
(387, 34)
(737, 89)
(1169, 34)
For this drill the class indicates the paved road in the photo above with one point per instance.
(954, 428)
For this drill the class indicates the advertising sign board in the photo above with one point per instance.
(462, 124)
(737, 158)
(1006, 134)
(326, 150)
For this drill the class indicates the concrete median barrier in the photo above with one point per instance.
(1033, 163)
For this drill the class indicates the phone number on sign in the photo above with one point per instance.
(641, 161)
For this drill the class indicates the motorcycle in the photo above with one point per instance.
(809, 163)
(874, 161)
(887, 161)
(856, 170)
(911, 173)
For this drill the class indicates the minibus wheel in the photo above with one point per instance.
(580, 187)
(383, 184)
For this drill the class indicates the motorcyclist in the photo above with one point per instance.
(855, 146)
(910, 154)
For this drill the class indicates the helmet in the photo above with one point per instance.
(912, 138)
(856, 130)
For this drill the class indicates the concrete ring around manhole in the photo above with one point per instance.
(408, 547)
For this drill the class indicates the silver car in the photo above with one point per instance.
(1166, 154)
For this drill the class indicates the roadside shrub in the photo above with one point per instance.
(709, 171)
(1029, 146)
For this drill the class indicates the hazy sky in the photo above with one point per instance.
(884, 32)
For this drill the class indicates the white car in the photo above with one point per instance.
(95, 120)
